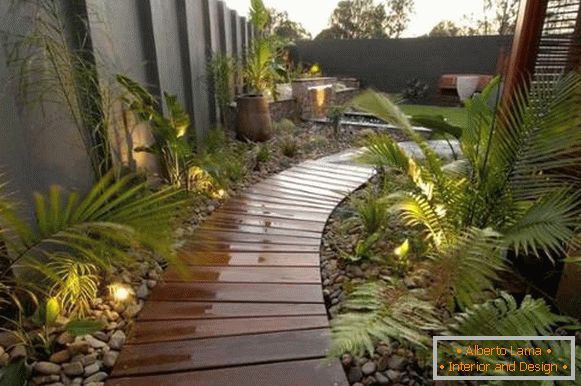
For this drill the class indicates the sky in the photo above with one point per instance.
(314, 14)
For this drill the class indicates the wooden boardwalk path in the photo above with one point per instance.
(251, 310)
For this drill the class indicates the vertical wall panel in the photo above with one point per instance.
(172, 59)
(225, 28)
(198, 55)
(212, 40)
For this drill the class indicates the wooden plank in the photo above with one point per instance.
(235, 292)
(315, 372)
(332, 194)
(266, 222)
(204, 245)
(305, 275)
(303, 170)
(317, 182)
(290, 193)
(149, 332)
(338, 171)
(254, 203)
(271, 198)
(325, 176)
(221, 236)
(153, 310)
(250, 258)
(220, 225)
(292, 215)
(339, 166)
(329, 179)
(209, 353)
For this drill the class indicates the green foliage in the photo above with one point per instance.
(171, 144)
(83, 327)
(370, 214)
(221, 71)
(280, 25)
(335, 115)
(76, 285)
(100, 228)
(217, 164)
(262, 153)
(383, 312)
(259, 15)
(285, 127)
(15, 374)
(259, 72)
(289, 146)
(512, 191)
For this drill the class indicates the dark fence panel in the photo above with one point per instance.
(388, 64)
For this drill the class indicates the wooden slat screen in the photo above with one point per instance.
(559, 48)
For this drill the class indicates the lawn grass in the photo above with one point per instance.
(456, 115)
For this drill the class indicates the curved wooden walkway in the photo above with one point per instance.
(251, 311)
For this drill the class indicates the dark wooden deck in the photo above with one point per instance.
(250, 312)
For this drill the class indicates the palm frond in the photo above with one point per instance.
(101, 228)
(547, 224)
(465, 269)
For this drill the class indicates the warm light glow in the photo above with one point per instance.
(120, 292)
(320, 97)
(220, 193)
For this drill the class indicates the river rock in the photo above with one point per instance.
(73, 369)
(397, 362)
(142, 291)
(393, 375)
(369, 368)
(60, 356)
(354, 374)
(92, 369)
(94, 342)
(44, 379)
(97, 377)
(117, 340)
(381, 379)
(110, 358)
(47, 368)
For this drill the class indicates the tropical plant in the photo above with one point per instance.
(75, 285)
(259, 73)
(285, 127)
(222, 70)
(512, 191)
(514, 178)
(383, 311)
(171, 144)
(100, 229)
(415, 90)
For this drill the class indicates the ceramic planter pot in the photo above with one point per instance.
(253, 121)
(467, 86)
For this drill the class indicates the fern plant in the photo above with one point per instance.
(383, 311)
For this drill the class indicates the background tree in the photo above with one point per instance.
(279, 24)
(506, 11)
(398, 16)
(357, 19)
(445, 28)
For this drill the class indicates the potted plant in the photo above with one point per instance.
(253, 121)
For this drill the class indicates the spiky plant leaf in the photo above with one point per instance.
(82, 327)
(382, 312)
(100, 228)
(465, 269)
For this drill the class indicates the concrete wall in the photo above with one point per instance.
(39, 144)
(388, 64)
(163, 44)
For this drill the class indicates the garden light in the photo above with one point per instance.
(120, 292)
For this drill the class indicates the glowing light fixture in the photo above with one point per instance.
(120, 292)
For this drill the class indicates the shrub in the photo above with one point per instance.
(289, 146)
(285, 127)
(415, 90)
